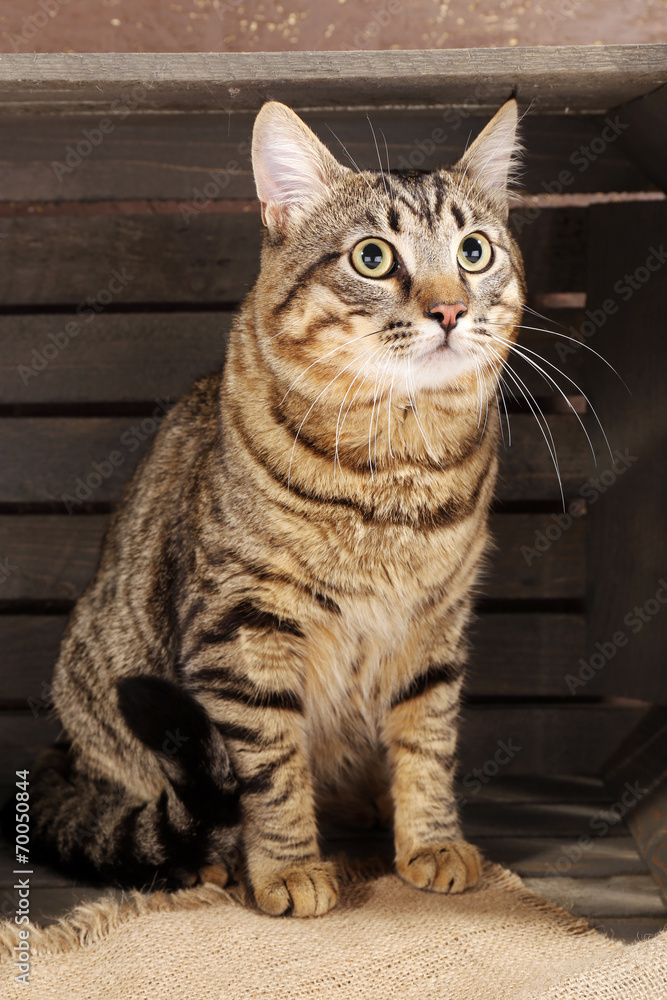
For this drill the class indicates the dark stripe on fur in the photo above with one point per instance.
(218, 682)
(455, 509)
(458, 216)
(439, 673)
(262, 780)
(247, 615)
(303, 280)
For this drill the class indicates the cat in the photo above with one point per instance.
(276, 631)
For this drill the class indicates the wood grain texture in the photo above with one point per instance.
(527, 654)
(641, 763)
(558, 78)
(646, 140)
(536, 857)
(553, 740)
(618, 896)
(209, 258)
(627, 538)
(135, 357)
(189, 157)
(46, 459)
(567, 820)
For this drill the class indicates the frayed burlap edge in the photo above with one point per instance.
(90, 923)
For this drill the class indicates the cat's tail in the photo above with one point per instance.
(95, 831)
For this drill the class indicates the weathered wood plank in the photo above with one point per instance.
(48, 459)
(629, 930)
(558, 78)
(646, 138)
(552, 821)
(537, 857)
(197, 156)
(519, 655)
(123, 357)
(552, 740)
(543, 789)
(619, 896)
(133, 357)
(51, 557)
(524, 653)
(209, 258)
(627, 537)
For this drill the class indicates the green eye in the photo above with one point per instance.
(373, 258)
(474, 253)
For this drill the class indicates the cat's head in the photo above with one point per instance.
(371, 278)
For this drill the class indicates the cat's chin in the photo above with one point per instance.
(443, 367)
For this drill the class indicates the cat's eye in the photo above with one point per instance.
(474, 253)
(373, 258)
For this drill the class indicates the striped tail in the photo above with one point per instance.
(94, 830)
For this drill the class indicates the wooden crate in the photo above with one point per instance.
(129, 232)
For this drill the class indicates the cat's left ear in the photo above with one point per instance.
(492, 161)
(292, 168)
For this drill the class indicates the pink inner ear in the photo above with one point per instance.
(288, 170)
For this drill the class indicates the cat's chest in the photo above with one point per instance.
(352, 662)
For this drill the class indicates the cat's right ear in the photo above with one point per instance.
(292, 168)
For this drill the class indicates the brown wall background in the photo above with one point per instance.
(326, 25)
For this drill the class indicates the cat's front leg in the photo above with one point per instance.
(251, 689)
(421, 730)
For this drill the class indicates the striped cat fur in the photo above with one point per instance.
(276, 632)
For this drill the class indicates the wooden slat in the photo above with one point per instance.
(552, 739)
(527, 654)
(627, 540)
(129, 357)
(566, 820)
(537, 857)
(544, 789)
(514, 655)
(52, 557)
(177, 156)
(557, 78)
(29, 645)
(43, 458)
(646, 141)
(214, 257)
(629, 930)
(124, 357)
(619, 896)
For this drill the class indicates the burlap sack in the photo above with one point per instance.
(384, 940)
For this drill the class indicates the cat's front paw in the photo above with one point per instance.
(309, 889)
(451, 866)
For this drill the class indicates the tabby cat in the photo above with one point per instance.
(277, 628)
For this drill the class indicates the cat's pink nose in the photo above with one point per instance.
(450, 313)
